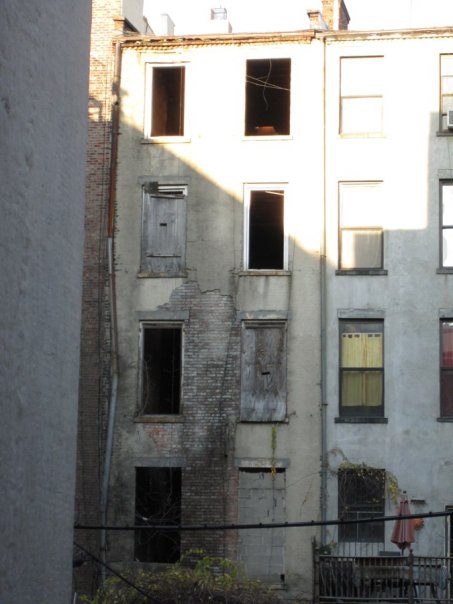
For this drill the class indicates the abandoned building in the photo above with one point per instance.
(280, 288)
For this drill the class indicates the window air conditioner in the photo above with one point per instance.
(450, 119)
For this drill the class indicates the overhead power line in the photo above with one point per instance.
(259, 525)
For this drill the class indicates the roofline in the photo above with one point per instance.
(301, 36)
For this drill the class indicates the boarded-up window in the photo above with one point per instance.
(157, 501)
(262, 499)
(164, 232)
(263, 371)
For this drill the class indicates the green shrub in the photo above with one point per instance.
(196, 579)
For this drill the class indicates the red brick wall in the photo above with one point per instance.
(95, 344)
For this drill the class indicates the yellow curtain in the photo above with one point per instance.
(361, 351)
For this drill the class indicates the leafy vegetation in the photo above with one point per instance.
(196, 579)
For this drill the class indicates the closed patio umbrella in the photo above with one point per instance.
(403, 533)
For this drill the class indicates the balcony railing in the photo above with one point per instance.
(411, 579)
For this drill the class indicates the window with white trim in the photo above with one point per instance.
(164, 102)
(446, 223)
(361, 95)
(265, 234)
(446, 90)
(267, 97)
(361, 234)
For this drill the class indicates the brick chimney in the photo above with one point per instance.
(316, 20)
(335, 14)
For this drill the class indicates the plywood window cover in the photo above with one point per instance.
(263, 371)
(163, 236)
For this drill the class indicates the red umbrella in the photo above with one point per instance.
(403, 532)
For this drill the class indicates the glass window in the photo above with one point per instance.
(446, 368)
(446, 200)
(361, 98)
(361, 494)
(362, 368)
(446, 89)
(361, 234)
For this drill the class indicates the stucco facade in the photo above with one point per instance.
(216, 297)
(269, 404)
(409, 294)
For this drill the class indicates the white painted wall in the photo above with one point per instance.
(44, 64)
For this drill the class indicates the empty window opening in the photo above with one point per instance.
(157, 500)
(267, 97)
(266, 230)
(168, 101)
(361, 494)
(161, 370)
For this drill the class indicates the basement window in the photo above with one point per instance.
(265, 239)
(157, 501)
(165, 103)
(267, 97)
(160, 375)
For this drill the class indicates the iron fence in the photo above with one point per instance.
(362, 579)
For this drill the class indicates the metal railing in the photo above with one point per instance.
(411, 579)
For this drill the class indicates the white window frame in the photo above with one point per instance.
(376, 94)
(248, 189)
(378, 226)
(444, 226)
(148, 109)
(443, 76)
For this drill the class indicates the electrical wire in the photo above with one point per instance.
(260, 525)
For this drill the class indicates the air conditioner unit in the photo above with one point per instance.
(450, 119)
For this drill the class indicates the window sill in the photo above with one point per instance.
(445, 420)
(361, 420)
(445, 271)
(361, 271)
(362, 135)
(269, 137)
(159, 419)
(264, 273)
(263, 421)
(143, 275)
(153, 140)
(444, 133)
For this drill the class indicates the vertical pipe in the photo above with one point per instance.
(114, 334)
(323, 291)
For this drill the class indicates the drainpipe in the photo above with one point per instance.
(322, 293)
(113, 315)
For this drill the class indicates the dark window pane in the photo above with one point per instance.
(447, 393)
(266, 230)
